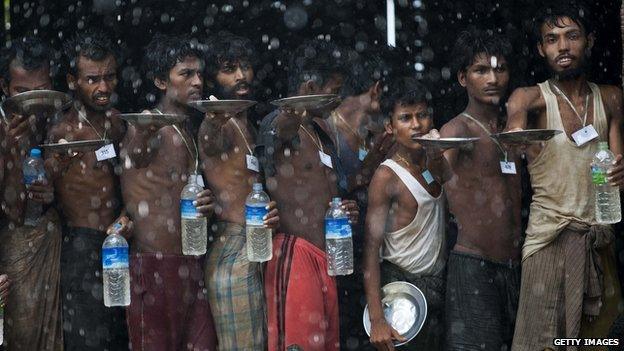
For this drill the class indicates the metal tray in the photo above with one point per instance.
(446, 143)
(81, 145)
(222, 106)
(405, 309)
(306, 102)
(37, 102)
(153, 118)
(526, 136)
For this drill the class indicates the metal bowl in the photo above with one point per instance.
(306, 102)
(526, 136)
(73, 146)
(222, 106)
(405, 309)
(37, 102)
(446, 143)
(143, 119)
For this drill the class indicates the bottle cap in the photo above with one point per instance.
(34, 152)
(257, 187)
(336, 200)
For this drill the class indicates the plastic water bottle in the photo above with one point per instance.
(115, 269)
(338, 242)
(608, 209)
(259, 238)
(194, 227)
(1, 325)
(33, 170)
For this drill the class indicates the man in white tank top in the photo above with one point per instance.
(569, 285)
(406, 218)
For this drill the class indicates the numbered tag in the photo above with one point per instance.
(583, 135)
(105, 152)
(362, 154)
(508, 167)
(428, 177)
(326, 159)
(253, 163)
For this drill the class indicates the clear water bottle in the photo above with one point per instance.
(33, 170)
(259, 238)
(194, 227)
(608, 209)
(338, 242)
(115, 269)
(1, 325)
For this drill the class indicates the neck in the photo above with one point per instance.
(91, 114)
(353, 112)
(481, 111)
(171, 106)
(414, 157)
(573, 86)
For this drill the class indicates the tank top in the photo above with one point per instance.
(560, 176)
(417, 248)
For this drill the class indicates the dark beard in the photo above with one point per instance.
(571, 73)
(230, 94)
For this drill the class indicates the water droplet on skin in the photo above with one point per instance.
(143, 208)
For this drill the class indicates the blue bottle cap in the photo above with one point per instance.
(34, 152)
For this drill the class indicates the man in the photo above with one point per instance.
(360, 148)
(29, 254)
(299, 164)
(87, 192)
(569, 286)
(406, 214)
(484, 196)
(226, 145)
(169, 309)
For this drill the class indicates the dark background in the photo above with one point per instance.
(426, 30)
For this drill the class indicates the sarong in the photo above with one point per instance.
(431, 336)
(302, 302)
(235, 291)
(30, 256)
(169, 308)
(87, 323)
(554, 296)
(481, 302)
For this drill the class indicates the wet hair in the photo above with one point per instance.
(470, 44)
(30, 53)
(165, 51)
(314, 60)
(364, 70)
(404, 91)
(227, 47)
(92, 44)
(552, 14)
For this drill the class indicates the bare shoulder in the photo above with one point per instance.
(611, 96)
(456, 127)
(530, 97)
(384, 180)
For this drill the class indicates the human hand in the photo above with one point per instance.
(204, 203)
(271, 219)
(382, 335)
(40, 191)
(122, 226)
(352, 210)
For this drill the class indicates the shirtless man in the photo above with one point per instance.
(226, 145)
(569, 284)
(407, 215)
(483, 269)
(88, 193)
(169, 309)
(29, 254)
(299, 164)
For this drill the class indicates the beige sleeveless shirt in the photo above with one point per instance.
(560, 177)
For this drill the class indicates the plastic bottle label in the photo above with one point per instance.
(337, 228)
(187, 210)
(115, 257)
(254, 214)
(599, 177)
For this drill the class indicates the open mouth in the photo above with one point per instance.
(564, 61)
(102, 100)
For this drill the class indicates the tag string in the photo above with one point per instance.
(567, 100)
(500, 147)
(243, 135)
(194, 155)
(318, 144)
(83, 117)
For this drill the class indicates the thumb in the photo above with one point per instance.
(396, 335)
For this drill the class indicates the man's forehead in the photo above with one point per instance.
(407, 108)
(484, 59)
(559, 25)
(89, 67)
(189, 62)
(19, 73)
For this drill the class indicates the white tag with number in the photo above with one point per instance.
(326, 159)
(362, 154)
(105, 152)
(508, 167)
(584, 135)
(428, 177)
(252, 163)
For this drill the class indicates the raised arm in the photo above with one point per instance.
(613, 104)
(380, 193)
(522, 102)
(212, 135)
(287, 124)
(140, 145)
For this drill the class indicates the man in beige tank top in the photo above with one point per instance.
(569, 285)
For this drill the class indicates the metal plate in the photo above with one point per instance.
(446, 143)
(153, 118)
(526, 136)
(306, 102)
(222, 106)
(405, 309)
(81, 145)
(37, 102)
